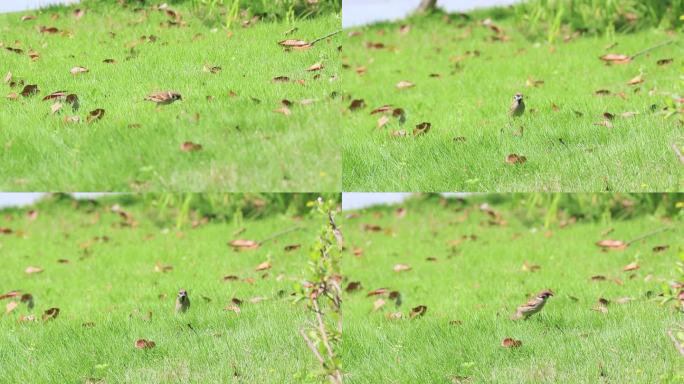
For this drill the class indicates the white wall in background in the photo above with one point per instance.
(360, 12)
(24, 199)
(23, 5)
(358, 200)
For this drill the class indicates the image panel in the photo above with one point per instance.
(513, 96)
(513, 288)
(139, 96)
(170, 288)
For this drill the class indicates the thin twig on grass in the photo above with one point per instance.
(634, 56)
(677, 152)
(648, 234)
(281, 233)
(331, 34)
(676, 342)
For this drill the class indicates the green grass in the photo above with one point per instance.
(113, 284)
(481, 282)
(470, 101)
(135, 146)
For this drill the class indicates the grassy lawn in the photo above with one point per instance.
(473, 285)
(135, 146)
(463, 84)
(110, 295)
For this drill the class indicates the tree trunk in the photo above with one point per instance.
(427, 5)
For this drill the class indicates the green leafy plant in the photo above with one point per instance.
(321, 291)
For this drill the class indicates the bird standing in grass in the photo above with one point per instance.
(518, 106)
(533, 306)
(164, 98)
(182, 302)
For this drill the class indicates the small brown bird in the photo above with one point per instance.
(518, 106)
(533, 306)
(182, 302)
(164, 98)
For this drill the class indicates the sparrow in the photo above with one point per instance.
(182, 302)
(533, 306)
(164, 98)
(518, 106)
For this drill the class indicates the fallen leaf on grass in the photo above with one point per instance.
(401, 267)
(633, 266)
(233, 308)
(283, 110)
(159, 267)
(144, 344)
(30, 90)
(528, 267)
(71, 119)
(636, 80)
(243, 244)
(32, 270)
(109, 61)
(612, 244)
(28, 17)
(55, 95)
(189, 146)
(263, 266)
(211, 69)
(515, 159)
(315, 67)
(616, 58)
(357, 104)
(55, 108)
(417, 311)
(422, 129)
(602, 92)
(95, 115)
(294, 43)
(604, 123)
(78, 70)
(377, 292)
(78, 13)
(511, 343)
(50, 314)
(383, 120)
(602, 306)
(404, 85)
(353, 286)
(281, 79)
(292, 247)
(661, 248)
(50, 30)
(662, 62)
(11, 306)
(72, 100)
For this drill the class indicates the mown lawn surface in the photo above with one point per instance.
(111, 294)
(476, 281)
(463, 84)
(246, 144)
